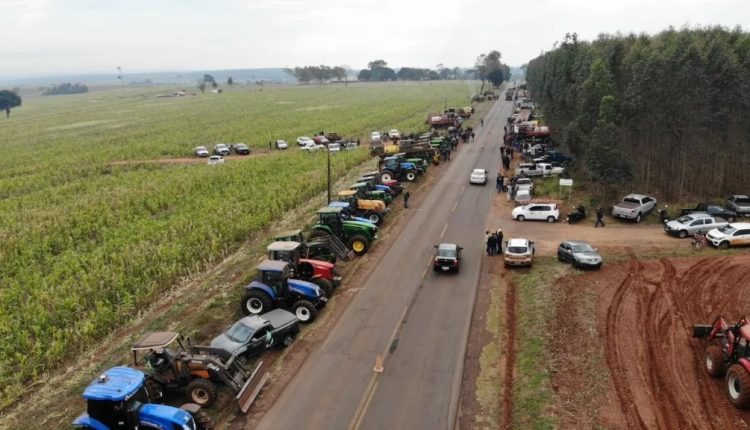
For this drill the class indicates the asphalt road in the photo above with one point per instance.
(415, 318)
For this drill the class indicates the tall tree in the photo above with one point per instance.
(376, 64)
(9, 100)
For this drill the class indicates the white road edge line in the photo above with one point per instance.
(443, 232)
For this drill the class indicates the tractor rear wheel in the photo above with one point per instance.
(715, 364)
(324, 285)
(386, 175)
(359, 244)
(203, 421)
(411, 176)
(317, 233)
(738, 386)
(256, 302)
(201, 392)
(305, 311)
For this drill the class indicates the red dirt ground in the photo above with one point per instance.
(651, 374)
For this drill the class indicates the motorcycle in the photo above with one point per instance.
(664, 215)
(699, 241)
(578, 215)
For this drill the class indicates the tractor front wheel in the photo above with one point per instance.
(305, 311)
(256, 302)
(201, 392)
(715, 364)
(324, 285)
(411, 176)
(359, 244)
(375, 218)
(738, 386)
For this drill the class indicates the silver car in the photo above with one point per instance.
(693, 223)
(580, 254)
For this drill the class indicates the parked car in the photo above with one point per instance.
(320, 140)
(548, 169)
(334, 147)
(312, 147)
(304, 141)
(447, 257)
(241, 149)
(733, 234)
(634, 207)
(523, 196)
(739, 204)
(215, 159)
(691, 224)
(478, 176)
(254, 334)
(375, 137)
(579, 254)
(518, 252)
(524, 184)
(201, 151)
(713, 210)
(394, 134)
(221, 149)
(281, 144)
(537, 211)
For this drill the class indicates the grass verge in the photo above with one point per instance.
(533, 395)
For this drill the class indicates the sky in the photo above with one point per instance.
(57, 37)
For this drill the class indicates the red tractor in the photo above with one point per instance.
(320, 273)
(728, 353)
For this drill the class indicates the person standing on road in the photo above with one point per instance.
(269, 145)
(491, 244)
(599, 217)
(499, 241)
(481, 122)
(406, 199)
(499, 182)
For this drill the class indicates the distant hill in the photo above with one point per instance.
(275, 75)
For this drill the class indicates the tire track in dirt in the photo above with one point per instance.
(510, 356)
(614, 355)
(655, 365)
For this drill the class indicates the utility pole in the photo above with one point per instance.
(119, 76)
(328, 155)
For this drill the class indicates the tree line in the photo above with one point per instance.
(66, 88)
(659, 113)
(318, 74)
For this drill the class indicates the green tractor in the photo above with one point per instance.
(357, 235)
(368, 191)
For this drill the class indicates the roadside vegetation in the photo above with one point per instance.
(88, 245)
(532, 389)
(664, 112)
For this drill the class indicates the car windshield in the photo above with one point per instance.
(582, 247)
(446, 252)
(239, 332)
(727, 229)
(517, 249)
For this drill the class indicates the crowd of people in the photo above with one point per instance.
(494, 242)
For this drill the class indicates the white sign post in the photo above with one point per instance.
(565, 183)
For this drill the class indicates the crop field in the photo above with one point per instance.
(85, 244)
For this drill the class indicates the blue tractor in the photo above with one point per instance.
(119, 400)
(273, 289)
(397, 168)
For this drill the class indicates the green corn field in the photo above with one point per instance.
(87, 242)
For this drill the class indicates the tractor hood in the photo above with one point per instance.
(374, 205)
(318, 263)
(409, 166)
(305, 288)
(361, 225)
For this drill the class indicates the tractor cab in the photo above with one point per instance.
(331, 217)
(274, 274)
(288, 251)
(348, 196)
(290, 235)
(367, 191)
(158, 351)
(118, 399)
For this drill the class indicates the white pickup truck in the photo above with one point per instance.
(739, 204)
(538, 169)
(634, 206)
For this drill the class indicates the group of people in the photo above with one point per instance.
(494, 242)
